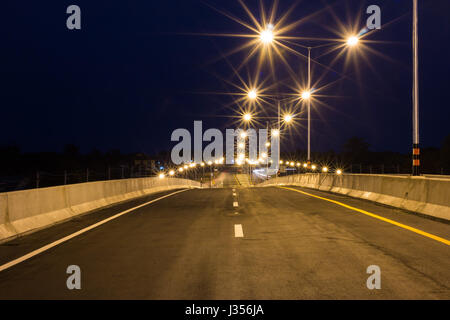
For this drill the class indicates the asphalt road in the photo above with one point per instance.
(276, 244)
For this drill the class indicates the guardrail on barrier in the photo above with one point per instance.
(29, 210)
(429, 196)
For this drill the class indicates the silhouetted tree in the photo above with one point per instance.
(356, 150)
(445, 153)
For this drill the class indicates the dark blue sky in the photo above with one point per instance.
(133, 74)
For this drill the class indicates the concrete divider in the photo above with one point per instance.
(425, 195)
(29, 210)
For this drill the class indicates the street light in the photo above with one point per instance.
(275, 132)
(287, 118)
(324, 169)
(247, 117)
(171, 173)
(252, 94)
(338, 171)
(352, 41)
(161, 175)
(266, 36)
(306, 95)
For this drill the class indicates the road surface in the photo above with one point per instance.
(241, 243)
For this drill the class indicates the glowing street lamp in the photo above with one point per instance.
(252, 94)
(338, 171)
(275, 133)
(352, 41)
(243, 135)
(161, 175)
(267, 144)
(266, 36)
(306, 95)
(288, 118)
(181, 169)
(324, 169)
(171, 173)
(247, 117)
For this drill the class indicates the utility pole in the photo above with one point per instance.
(416, 149)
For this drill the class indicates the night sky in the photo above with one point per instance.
(137, 70)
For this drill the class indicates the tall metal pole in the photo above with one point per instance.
(416, 150)
(279, 133)
(267, 153)
(309, 106)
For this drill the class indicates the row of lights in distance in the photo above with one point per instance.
(190, 166)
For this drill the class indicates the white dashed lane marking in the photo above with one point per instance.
(238, 232)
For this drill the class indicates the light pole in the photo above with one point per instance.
(253, 95)
(306, 95)
(416, 150)
(309, 106)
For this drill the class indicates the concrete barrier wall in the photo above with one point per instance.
(29, 210)
(429, 196)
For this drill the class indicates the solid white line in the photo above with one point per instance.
(235, 204)
(238, 233)
(73, 235)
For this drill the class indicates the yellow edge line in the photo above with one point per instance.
(398, 224)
